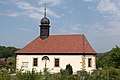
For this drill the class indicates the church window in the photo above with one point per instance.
(35, 61)
(57, 62)
(24, 64)
(89, 62)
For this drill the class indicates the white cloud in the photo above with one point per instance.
(108, 29)
(109, 7)
(73, 29)
(88, 0)
(111, 11)
(51, 13)
(8, 1)
(61, 30)
(35, 12)
(35, 15)
(24, 5)
(12, 14)
(51, 2)
(113, 31)
(114, 28)
(25, 29)
(98, 29)
(76, 27)
(28, 10)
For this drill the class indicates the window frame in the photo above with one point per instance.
(89, 62)
(57, 63)
(35, 63)
(25, 64)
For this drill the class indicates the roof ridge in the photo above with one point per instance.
(65, 34)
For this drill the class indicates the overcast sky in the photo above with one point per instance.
(98, 20)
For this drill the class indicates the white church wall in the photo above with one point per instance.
(93, 62)
(74, 60)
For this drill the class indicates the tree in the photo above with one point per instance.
(11, 64)
(69, 69)
(104, 60)
(6, 52)
(115, 56)
(109, 59)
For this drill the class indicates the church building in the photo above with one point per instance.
(54, 52)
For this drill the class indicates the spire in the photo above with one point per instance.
(45, 20)
(45, 10)
(44, 26)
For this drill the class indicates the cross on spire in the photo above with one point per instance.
(45, 10)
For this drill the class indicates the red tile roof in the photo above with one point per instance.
(59, 44)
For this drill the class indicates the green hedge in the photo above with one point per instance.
(105, 74)
(4, 75)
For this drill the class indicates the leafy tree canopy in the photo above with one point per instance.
(6, 52)
(109, 59)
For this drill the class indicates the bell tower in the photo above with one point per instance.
(44, 26)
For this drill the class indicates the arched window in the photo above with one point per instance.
(45, 58)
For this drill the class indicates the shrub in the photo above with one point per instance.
(28, 75)
(69, 69)
(4, 75)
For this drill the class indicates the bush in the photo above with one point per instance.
(105, 74)
(4, 75)
(28, 75)
(69, 69)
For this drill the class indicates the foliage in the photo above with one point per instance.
(7, 58)
(1, 63)
(104, 61)
(109, 74)
(11, 61)
(109, 59)
(63, 73)
(69, 69)
(6, 52)
(8, 63)
(104, 74)
(28, 75)
(115, 56)
(4, 75)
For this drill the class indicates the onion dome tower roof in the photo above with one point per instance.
(45, 20)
